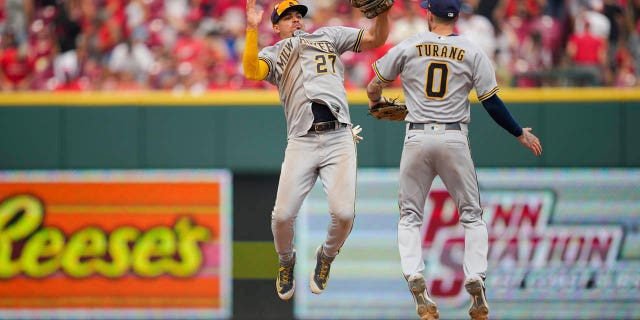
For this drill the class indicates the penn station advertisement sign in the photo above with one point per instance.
(116, 244)
(564, 244)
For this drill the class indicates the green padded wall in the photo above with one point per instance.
(250, 137)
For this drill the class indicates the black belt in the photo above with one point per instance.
(322, 127)
(421, 126)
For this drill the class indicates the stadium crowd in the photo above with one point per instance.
(196, 45)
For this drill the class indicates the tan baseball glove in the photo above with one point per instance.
(372, 8)
(389, 109)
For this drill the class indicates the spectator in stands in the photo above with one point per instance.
(132, 56)
(488, 9)
(42, 44)
(626, 71)
(477, 28)
(532, 62)
(587, 53)
(407, 24)
(15, 64)
(634, 37)
(591, 14)
(16, 19)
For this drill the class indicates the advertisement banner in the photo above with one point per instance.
(115, 244)
(564, 244)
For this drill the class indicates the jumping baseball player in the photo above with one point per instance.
(309, 74)
(438, 69)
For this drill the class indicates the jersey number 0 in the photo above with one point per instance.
(437, 74)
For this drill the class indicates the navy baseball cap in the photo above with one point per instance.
(284, 6)
(442, 8)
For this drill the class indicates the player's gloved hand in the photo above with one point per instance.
(388, 109)
(355, 131)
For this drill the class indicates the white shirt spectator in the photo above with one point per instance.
(132, 57)
(477, 28)
(407, 26)
(135, 12)
(598, 22)
(65, 66)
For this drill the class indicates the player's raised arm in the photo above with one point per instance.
(377, 34)
(254, 69)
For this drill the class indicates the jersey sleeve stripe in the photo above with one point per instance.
(375, 69)
(268, 63)
(488, 94)
(356, 46)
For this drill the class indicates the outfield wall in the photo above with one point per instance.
(245, 131)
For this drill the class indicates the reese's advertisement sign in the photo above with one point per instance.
(118, 244)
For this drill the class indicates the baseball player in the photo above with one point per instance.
(309, 74)
(438, 69)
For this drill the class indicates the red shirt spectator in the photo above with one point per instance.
(189, 48)
(586, 49)
(531, 6)
(16, 67)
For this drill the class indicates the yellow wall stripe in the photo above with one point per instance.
(222, 98)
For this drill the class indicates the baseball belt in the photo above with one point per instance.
(422, 126)
(322, 127)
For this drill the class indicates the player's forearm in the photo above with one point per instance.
(377, 34)
(254, 69)
(501, 115)
(374, 89)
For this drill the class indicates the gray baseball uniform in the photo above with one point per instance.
(437, 74)
(307, 68)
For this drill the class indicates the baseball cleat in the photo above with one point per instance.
(479, 309)
(285, 284)
(320, 275)
(425, 307)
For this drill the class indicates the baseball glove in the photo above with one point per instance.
(372, 8)
(389, 110)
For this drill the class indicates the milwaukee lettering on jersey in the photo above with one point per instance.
(520, 235)
(283, 58)
(323, 46)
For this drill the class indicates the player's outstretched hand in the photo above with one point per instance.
(254, 16)
(355, 131)
(530, 141)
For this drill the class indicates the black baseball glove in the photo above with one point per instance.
(389, 110)
(372, 8)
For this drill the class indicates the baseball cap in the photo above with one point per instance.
(442, 8)
(283, 6)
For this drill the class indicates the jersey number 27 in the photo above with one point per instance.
(321, 63)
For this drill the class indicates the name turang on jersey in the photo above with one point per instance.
(440, 51)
